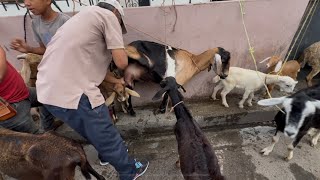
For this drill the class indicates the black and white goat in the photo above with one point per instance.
(150, 61)
(197, 157)
(302, 113)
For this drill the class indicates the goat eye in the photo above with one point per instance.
(288, 85)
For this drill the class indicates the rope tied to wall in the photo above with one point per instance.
(251, 50)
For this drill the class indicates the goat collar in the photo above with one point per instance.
(175, 106)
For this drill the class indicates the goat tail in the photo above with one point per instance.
(86, 170)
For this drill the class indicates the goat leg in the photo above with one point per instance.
(244, 97)
(162, 108)
(315, 138)
(313, 73)
(224, 93)
(130, 108)
(215, 90)
(266, 151)
(88, 169)
(251, 95)
(294, 144)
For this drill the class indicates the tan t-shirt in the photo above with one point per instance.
(77, 58)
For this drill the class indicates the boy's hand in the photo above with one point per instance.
(19, 45)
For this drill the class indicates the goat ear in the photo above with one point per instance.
(132, 92)
(271, 101)
(110, 99)
(316, 104)
(182, 88)
(22, 56)
(160, 93)
(266, 59)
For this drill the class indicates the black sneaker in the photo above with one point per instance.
(141, 167)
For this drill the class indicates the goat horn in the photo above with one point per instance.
(110, 99)
(266, 59)
(132, 92)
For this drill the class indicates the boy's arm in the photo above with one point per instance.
(3, 64)
(23, 47)
(120, 58)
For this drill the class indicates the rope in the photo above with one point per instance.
(251, 50)
(295, 40)
(175, 106)
(294, 57)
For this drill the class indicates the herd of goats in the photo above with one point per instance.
(27, 156)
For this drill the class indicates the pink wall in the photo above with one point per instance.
(271, 25)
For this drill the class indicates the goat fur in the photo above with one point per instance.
(197, 157)
(280, 120)
(151, 61)
(302, 113)
(250, 81)
(47, 156)
(311, 56)
(290, 68)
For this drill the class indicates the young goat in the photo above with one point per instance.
(274, 64)
(197, 158)
(280, 120)
(29, 66)
(42, 157)
(250, 81)
(118, 91)
(302, 113)
(150, 61)
(311, 55)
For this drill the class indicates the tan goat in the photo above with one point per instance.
(311, 55)
(290, 68)
(30, 63)
(118, 91)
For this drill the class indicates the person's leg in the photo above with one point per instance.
(22, 121)
(47, 121)
(96, 126)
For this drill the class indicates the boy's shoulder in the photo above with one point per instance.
(64, 16)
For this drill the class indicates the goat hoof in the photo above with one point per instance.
(226, 105)
(178, 164)
(265, 152)
(132, 113)
(250, 104)
(313, 143)
(159, 111)
(241, 106)
(287, 158)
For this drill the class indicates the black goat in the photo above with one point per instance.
(197, 158)
(302, 113)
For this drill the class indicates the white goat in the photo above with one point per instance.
(250, 81)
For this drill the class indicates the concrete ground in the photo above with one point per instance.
(237, 136)
(237, 151)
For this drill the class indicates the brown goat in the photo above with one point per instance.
(42, 157)
(311, 56)
(290, 68)
(118, 91)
